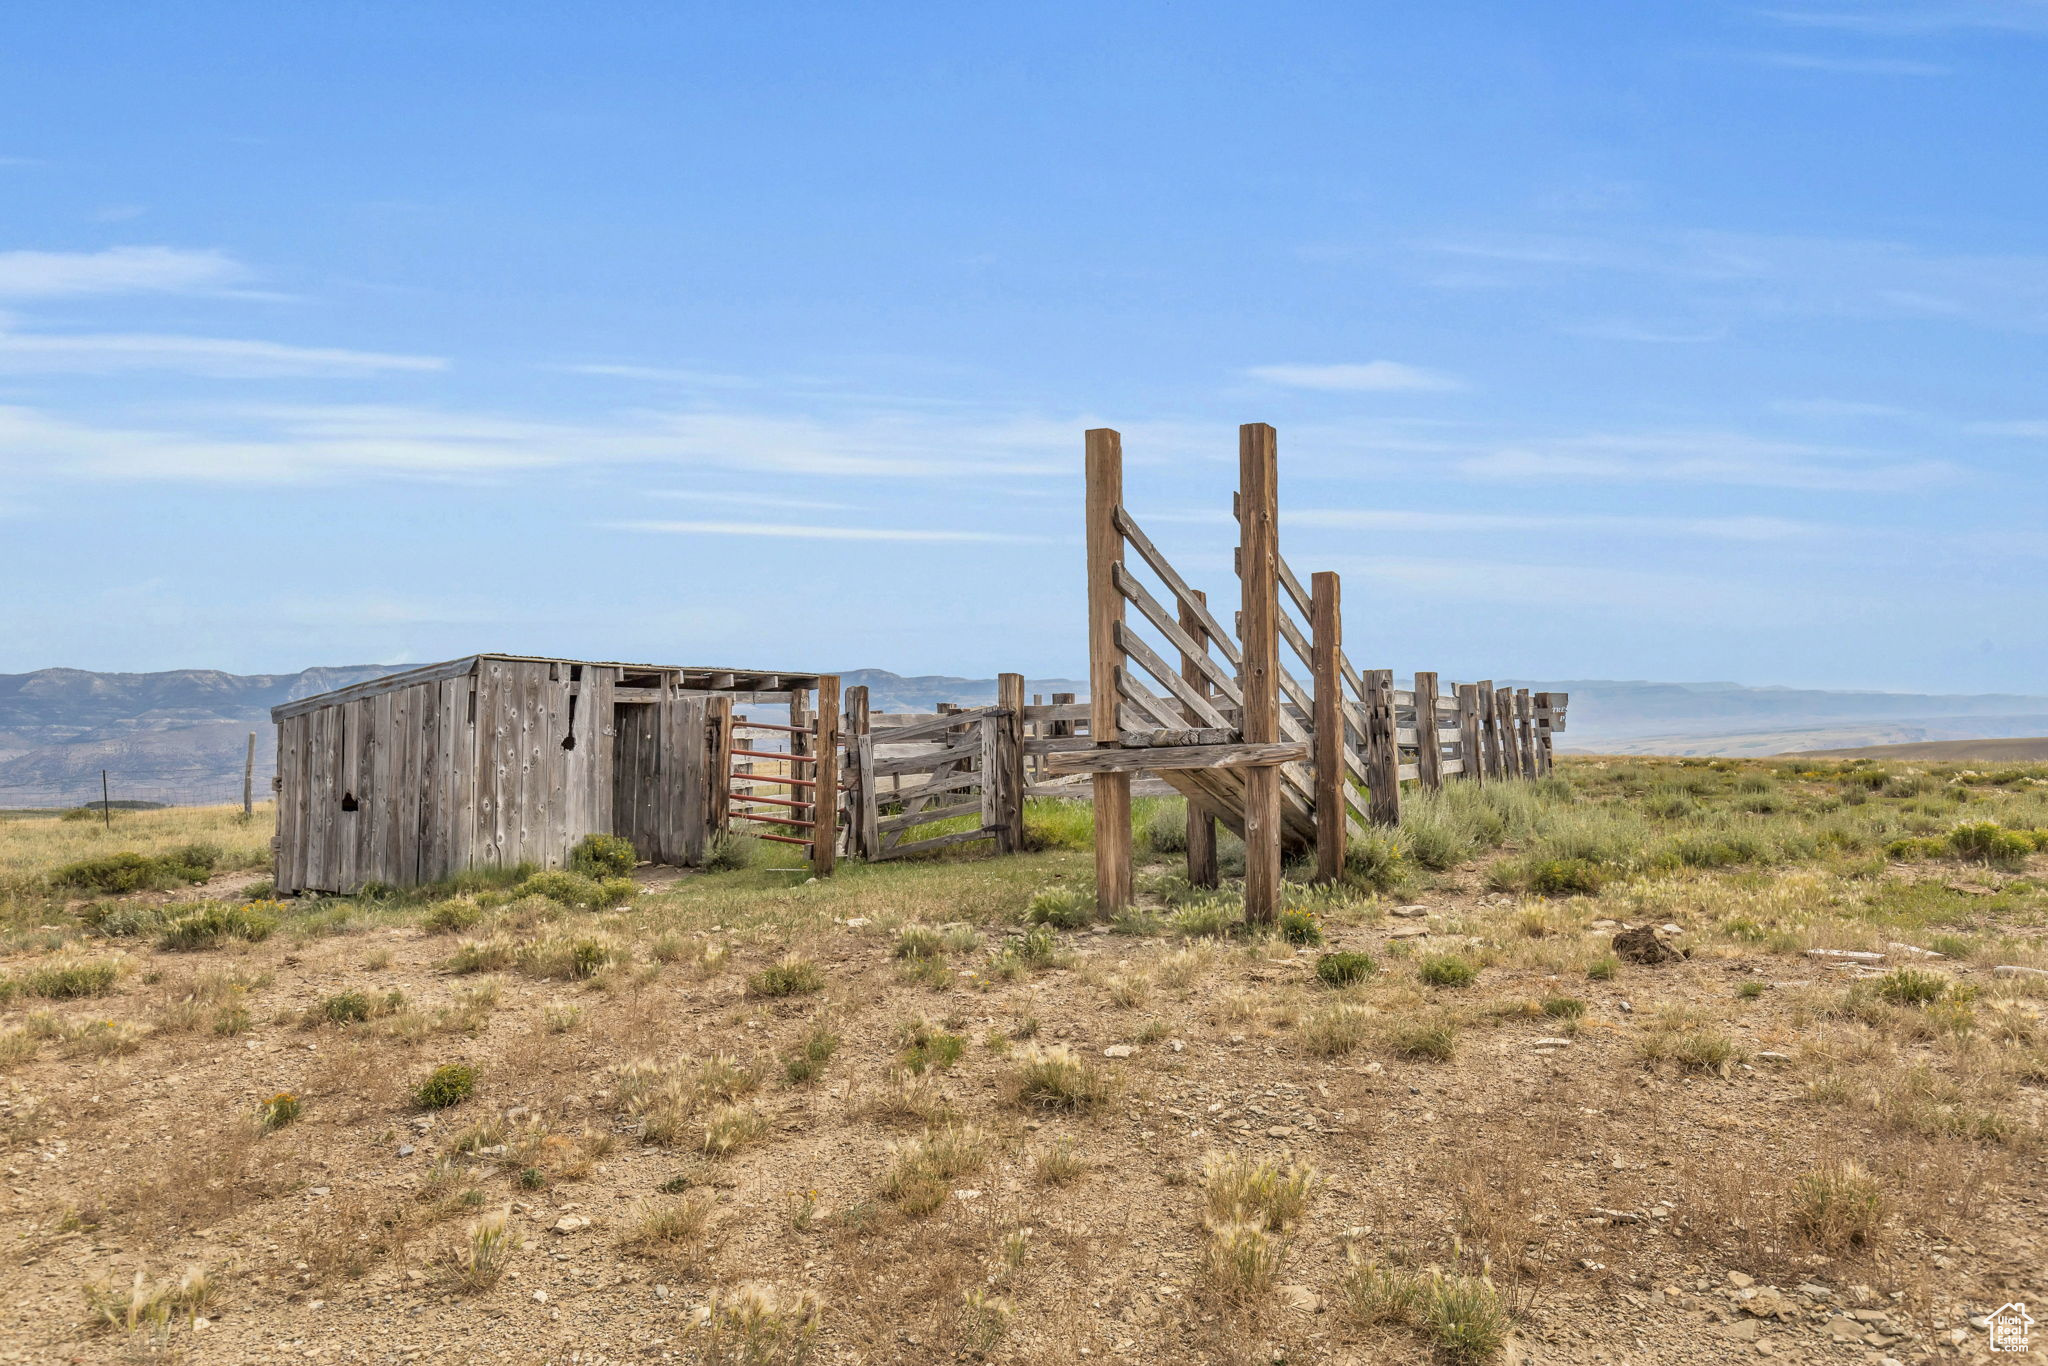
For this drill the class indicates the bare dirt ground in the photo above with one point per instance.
(1628, 1193)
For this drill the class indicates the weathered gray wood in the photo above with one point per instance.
(1327, 620)
(1429, 741)
(1489, 731)
(910, 820)
(1169, 677)
(1471, 763)
(1179, 635)
(940, 842)
(429, 673)
(1157, 739)
(1201, 816)
(1245, 755)
(825, 769)
(1382, 751)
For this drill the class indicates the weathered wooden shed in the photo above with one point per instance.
(496, 760)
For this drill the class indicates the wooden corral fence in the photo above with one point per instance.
(801, 800)
(1285, 759)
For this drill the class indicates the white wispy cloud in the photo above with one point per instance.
(1838, 408)
(2028, 428)
(660, 374)
(1923, 16)
(1849, 66)
(1751, 528)
(797, 532)
(759, 500)
(117, 270)
(1704, 458)
(1723, 273)
(308, 443)
(106, 353)
(1377, 376)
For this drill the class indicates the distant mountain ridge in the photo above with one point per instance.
(180, 735)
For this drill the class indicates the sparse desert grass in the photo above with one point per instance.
(675, 1231)
(922, 1169)
(1926, 1077)
(1839, 1206)
(757, 1325)
(792, 976)
(479, 1259)
(1055, 1078)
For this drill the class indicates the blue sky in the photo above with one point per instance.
(1676, 340)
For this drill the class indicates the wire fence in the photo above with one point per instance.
(212, 789)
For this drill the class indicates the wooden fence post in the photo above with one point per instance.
(1382, 750)
(1525, 731)
(1009, 774)
(863, 809)
(1489, 732)
(1326, 642)
(249, 778)
(1259, 617)
(1201, 824)
(1510, 747)
(1105, 493)
(825, 804)
(1543, 762)
(1468, 733)
(1429, 739)
(718, 720)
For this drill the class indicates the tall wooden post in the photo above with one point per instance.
(1504, 725)
(1489, 732)
(1382, 750)
(1543, 758)
(718, 806)
(1473, 767)
(1105, 495)
(825, 805)
(1326, 644)
(1429, 740)
(1525, 731)
(1010, 764)
(1258, 485)
(1201, 824)
(864, 808)
(249, 778)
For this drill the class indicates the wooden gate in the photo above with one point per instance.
(902, 777)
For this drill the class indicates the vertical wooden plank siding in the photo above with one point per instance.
(1104, 460)
(427, 778)
(1009, 773)
(493, 767)
(688, 732)
(825, 810)
(286, 857)
(402, 844)
(1382, 750)
(1429, 738)
(1201, 821)
(1326, 639)
(1543, 742)
(719, 720)
(1259, 617)
(464, 745)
